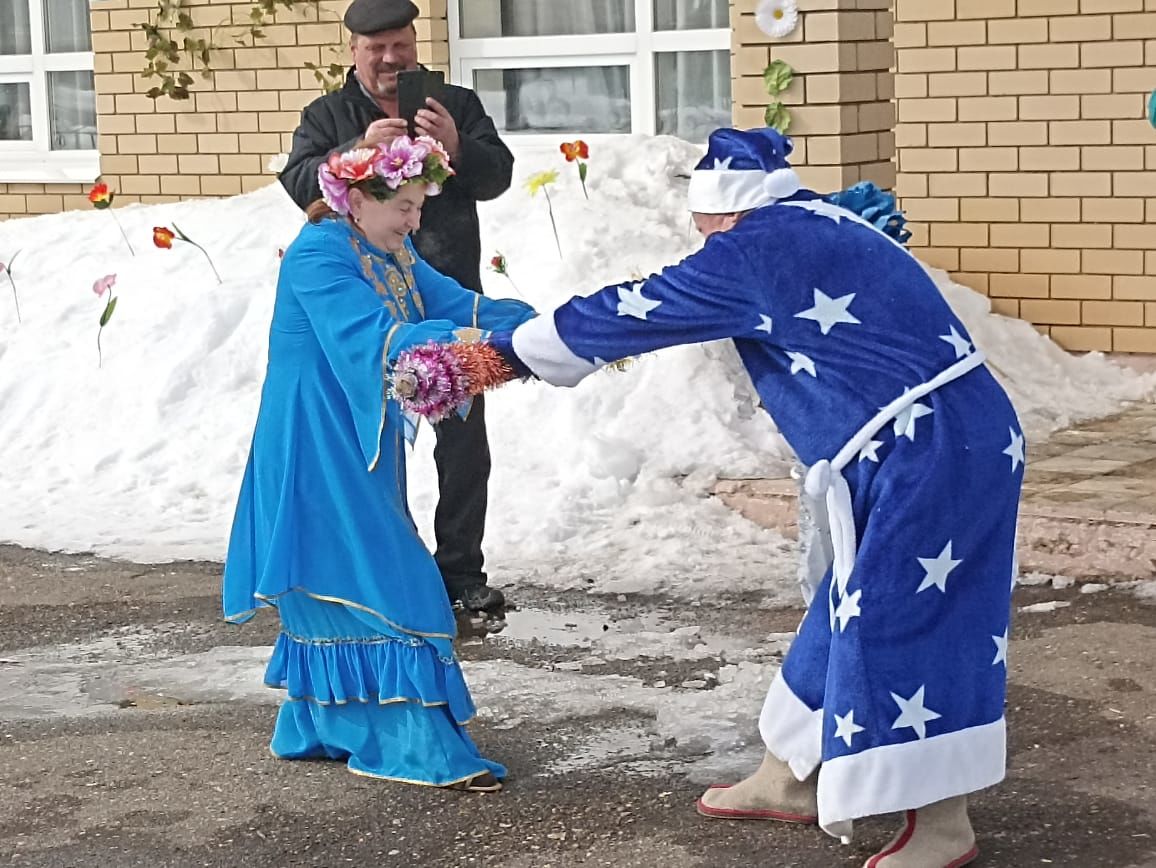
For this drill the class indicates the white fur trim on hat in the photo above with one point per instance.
(732, 191)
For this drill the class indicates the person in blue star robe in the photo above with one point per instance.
(891, 697)
(323, 531)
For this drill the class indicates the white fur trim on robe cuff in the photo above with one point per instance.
(901, 777)
(540, 348)
(731, 191)
(790, 730)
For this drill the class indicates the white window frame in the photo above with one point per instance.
(35, 162)
(635, 50)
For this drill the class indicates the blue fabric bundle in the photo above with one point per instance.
(875, 206)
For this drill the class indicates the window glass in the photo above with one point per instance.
(490, 18)
(72, 108)
(692, 93)
(582, 99)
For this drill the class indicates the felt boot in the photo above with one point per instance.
(936, 836)
(771, 793)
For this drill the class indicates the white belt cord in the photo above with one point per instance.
(827, 491)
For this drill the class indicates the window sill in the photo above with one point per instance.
(78, 167)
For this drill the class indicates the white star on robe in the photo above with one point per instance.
(837, 215)
(631, 302)
(829, 312)
(958, 343)
(905, 420)
(848, 609)
(868, 452)
(800, 362)
(846, 728)
(767, 324)
(1000, 649)
(937, 569)
(913, 713)
(1015, 449)
(832, 212)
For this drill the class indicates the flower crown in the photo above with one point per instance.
(381, 170)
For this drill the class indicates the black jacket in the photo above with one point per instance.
(449, 235)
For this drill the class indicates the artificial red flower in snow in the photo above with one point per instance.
(163, 237)
(499, 265)
(577, 151)
(100, 196)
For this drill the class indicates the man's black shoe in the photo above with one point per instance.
(481, 598)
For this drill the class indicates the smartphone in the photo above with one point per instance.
(414, 86)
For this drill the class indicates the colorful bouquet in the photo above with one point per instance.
(434, 380)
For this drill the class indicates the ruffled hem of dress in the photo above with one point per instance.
(379, 671)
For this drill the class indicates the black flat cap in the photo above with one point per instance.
(373, 16)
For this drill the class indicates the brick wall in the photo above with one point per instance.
(842, 114)
(21, 200)
(218, 142)
(1026, 160)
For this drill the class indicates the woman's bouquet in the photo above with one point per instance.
(434, 380)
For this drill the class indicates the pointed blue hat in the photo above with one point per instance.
(742, 170)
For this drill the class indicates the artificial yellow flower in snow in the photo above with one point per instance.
(537, 182)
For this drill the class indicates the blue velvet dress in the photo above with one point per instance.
(323, 531)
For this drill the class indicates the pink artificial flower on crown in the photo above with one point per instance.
(353, 166)
(435, 147)
(399, 162)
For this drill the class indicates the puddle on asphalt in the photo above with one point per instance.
(115, 672)
(647, 635)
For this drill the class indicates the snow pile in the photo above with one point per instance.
(142, 458)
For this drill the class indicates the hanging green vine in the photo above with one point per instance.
(169, 43)
(330, 76)
(173, 51)
(777, 77)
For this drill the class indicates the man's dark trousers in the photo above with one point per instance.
(462, 455)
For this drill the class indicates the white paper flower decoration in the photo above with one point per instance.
(777, 18)
(277, 163)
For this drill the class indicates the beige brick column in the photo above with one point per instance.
(219, 142)
(841, 101)
(1026, 161)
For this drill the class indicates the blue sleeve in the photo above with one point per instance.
(708, 296)
(357, 335)
(445, 298)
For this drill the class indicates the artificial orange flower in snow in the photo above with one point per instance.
(100, 196)
(163, 237)
(576, 150)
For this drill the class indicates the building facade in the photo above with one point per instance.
(1014, 131)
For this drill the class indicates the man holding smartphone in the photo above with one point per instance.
(383, 43)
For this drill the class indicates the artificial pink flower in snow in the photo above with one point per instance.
(105, 284)
(99, 288)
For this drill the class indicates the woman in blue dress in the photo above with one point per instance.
(322, 529)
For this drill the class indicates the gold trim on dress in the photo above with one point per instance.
(271, 600)
(384, 392)
(372, 776)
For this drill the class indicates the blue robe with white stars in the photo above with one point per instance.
(895, 685)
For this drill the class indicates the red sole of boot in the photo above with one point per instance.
(733, 814)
